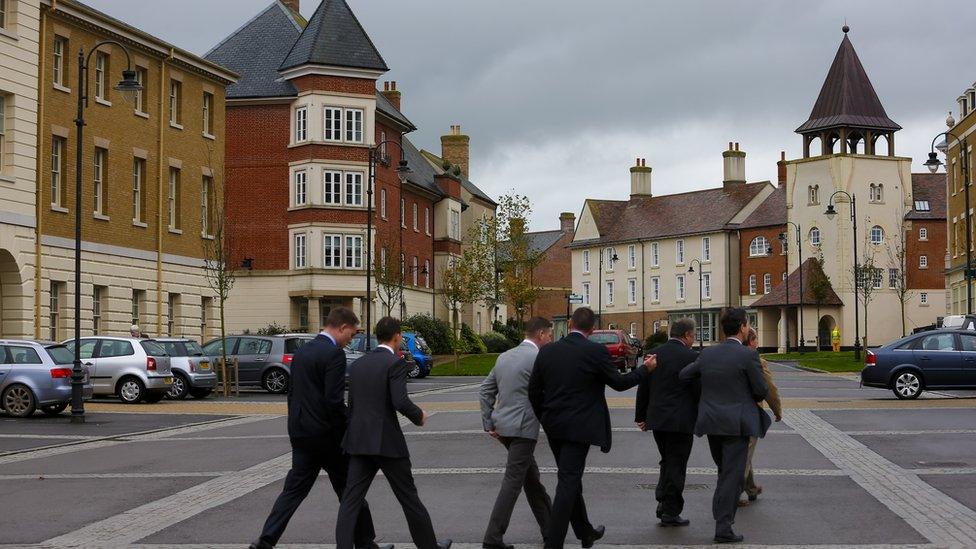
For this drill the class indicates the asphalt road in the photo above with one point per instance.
(847, 467)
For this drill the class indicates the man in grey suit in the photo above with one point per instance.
(507, 416)
(732, 385)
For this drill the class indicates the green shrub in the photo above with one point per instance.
(272, 329)
(655, 339)
(496, 342)
(510, 330)
(470, 342)
(435, 331)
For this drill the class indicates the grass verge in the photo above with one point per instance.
(469, 365)
(821, 360)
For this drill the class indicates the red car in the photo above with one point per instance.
(622, 351)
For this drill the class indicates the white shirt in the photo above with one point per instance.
(530, 341)
(332, 339)
(387, 347)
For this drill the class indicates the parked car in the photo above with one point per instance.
(34, 376)
(937, 359)
(263, 361)
(420, 352)
(192, 373)
(357, 348)
(962, 322)
(622, 351)
(135, 369)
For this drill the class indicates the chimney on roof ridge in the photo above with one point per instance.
(293, 5)
(455, 148)
(734, 164)
(640, 179)
(567, 222)
(391, 93)
(781, 169)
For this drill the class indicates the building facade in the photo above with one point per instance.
(960, 297)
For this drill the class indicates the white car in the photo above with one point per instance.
(135, 369)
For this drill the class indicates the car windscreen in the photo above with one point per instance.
(193, 348)
(173, 348)
(153, 348)
(604, 338)
(60, 354)
(422, 345)
(295, 343)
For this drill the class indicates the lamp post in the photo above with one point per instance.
(933, 164)
(701, 317)
(830, 213)
(402, 170)
(799, 261)
(611, 259)
(129, 86)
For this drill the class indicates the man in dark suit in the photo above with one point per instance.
(567, 394)
(316, 425)
(668, 407)
(374, 440)
(732, 384)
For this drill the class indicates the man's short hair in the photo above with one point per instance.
(341, 315)
(535, 324)
(682, 326)
(752, 335)
(732, 321)
(387, 328)
(583, 319)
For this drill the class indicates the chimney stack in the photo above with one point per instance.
(640, 179)
(567, 222)
(781, 169)
(390, 92)
(454, 149)
(734, 162)
(293, 5)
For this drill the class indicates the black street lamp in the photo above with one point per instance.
(933, 164)
(830, 213)
(612, 259)
(799, 251)
(129, 86)
(402, 170)
(701, 317)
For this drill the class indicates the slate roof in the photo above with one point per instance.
(770, 213)
(930, 187)
(384, 106)
(539, 242)
(670, 215)
(256, 50)
(421, 172)
(334, 37)
(777, 297)
(437, 162)
(847, 97)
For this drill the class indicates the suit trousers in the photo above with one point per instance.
(568, 506)
(729, 454)
(362, 470)
(521, 472)
(675, 448)
(749, 483)
(308, 457)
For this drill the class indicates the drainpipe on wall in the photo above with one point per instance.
(38, 193)
(159, 195)
(643, 296)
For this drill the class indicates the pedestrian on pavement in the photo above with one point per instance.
(375, 442)
(669, 407)
(317, 419)
(567, 394)
(732, 385)
(507, 416)
(135, 332)
(752, 489)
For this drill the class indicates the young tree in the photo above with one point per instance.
(819, 286)
(517, 260)
(388, 272)
(868, 278)
(217, 251)
(462, 283)
(898, 261)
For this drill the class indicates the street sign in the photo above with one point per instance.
(573, 298)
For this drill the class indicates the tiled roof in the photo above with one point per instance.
(421, 172)
(539, 242)
(847, 97)
(334, 37)
(384, 106)
(438, 162)
(671, 215)
(930, 188)
(770, 213)
(777, 297)
(255, 52)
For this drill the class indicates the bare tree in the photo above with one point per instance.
(898, 261)
(868, 278)
(217, 251)
(819, 287)
(388, 272)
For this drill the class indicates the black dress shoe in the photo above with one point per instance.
(660, 509)
(497, 546)
(595, 535)
(730, 537)
(444, 544)
(667, 521)
(259, 544)
(374, 545)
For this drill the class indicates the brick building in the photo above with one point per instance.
(960, 298)
(298, 195)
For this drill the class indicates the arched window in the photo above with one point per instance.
(813, 194)
(815, 236)
(759, 247)
(877, 235)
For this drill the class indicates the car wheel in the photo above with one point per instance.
(200, 393)
(131, 390)
(275, 381)
(907, 386)
(153, 398)
(414, 373)
(180, 387)
(19, 401)
(54, 409)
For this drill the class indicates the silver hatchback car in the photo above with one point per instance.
(35, 376)
(135, 369)
(192, 373)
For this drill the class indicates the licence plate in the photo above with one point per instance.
(169, 380)
(204, 365)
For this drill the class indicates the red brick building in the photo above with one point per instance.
(926, 240)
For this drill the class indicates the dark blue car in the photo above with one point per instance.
(420, 351)
(937, 359)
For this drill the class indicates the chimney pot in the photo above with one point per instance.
(391, 94)
(734, 165)
(781, 169)
(640, 179)
(730, 145)
(393, 85)
(567, 222)
(455, 148)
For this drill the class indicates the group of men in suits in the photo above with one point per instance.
(351, 443)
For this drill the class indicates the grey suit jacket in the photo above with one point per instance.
(505, 406)
(732, 385)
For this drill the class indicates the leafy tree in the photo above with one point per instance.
(463, 283)
(517, 260)
(819, 286)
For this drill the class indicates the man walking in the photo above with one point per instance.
(374, 440)
(731, 385)
(772, 400)
(316, 425)
(668, 407)
(507, 415)
(567, 394)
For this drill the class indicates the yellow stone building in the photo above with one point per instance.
(961, 130)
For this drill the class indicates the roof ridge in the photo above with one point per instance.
(241, 28)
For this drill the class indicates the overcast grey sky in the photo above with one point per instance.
(560, 96)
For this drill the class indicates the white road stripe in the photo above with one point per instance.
(406, 544)
(73, 476)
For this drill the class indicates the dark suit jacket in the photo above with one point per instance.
(316, 404)
(732, 385)
(567, 390)
(665, 402)
(377, 391)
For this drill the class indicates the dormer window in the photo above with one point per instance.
(922, 206)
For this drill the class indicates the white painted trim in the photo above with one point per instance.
(321, 70)
(108, 249)
(21, 220)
